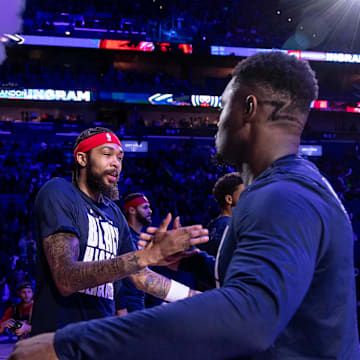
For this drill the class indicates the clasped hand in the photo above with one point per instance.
(165, 247)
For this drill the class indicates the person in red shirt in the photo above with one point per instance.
(17, 317)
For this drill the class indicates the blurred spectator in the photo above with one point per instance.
(18, 316)
(27, 249)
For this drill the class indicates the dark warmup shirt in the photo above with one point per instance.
(216, 229)
(103, 233)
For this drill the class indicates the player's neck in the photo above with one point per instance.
(135, 225)
(92, 194)
(226, 211)
(270, 143)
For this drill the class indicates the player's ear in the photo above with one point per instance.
(81, 158)
(250, 107)
(228, 199)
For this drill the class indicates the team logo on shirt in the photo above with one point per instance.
(102, 244)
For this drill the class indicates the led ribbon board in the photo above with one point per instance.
(46, 95)
(148, 46)
(107, 44)
(185, 100)
(169, 99)
(205, 101)
(60, 41)
(306, 55)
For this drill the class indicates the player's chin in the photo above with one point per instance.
(107, 185)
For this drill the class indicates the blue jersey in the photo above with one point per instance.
(103, 233)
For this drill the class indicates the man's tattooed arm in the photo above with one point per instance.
(151, 283)
(154, 283)
(70, 275)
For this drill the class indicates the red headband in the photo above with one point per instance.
(136, 202)
(96, 140)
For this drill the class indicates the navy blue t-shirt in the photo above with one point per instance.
(103, 233)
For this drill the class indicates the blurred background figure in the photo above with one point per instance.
(138, 214)
(226, 192)
(17, 318)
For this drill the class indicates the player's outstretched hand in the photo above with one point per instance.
(164, 246)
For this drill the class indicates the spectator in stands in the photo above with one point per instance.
(4, 290)
(18, 275)
(17, 318)
(27, 247)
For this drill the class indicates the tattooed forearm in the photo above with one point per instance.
(152, 283)
(62, 252)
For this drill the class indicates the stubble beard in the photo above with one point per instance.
(143, 220)
(95, 182)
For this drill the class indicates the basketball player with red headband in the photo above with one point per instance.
(138, 214)
(84, 244)
(138, 211)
